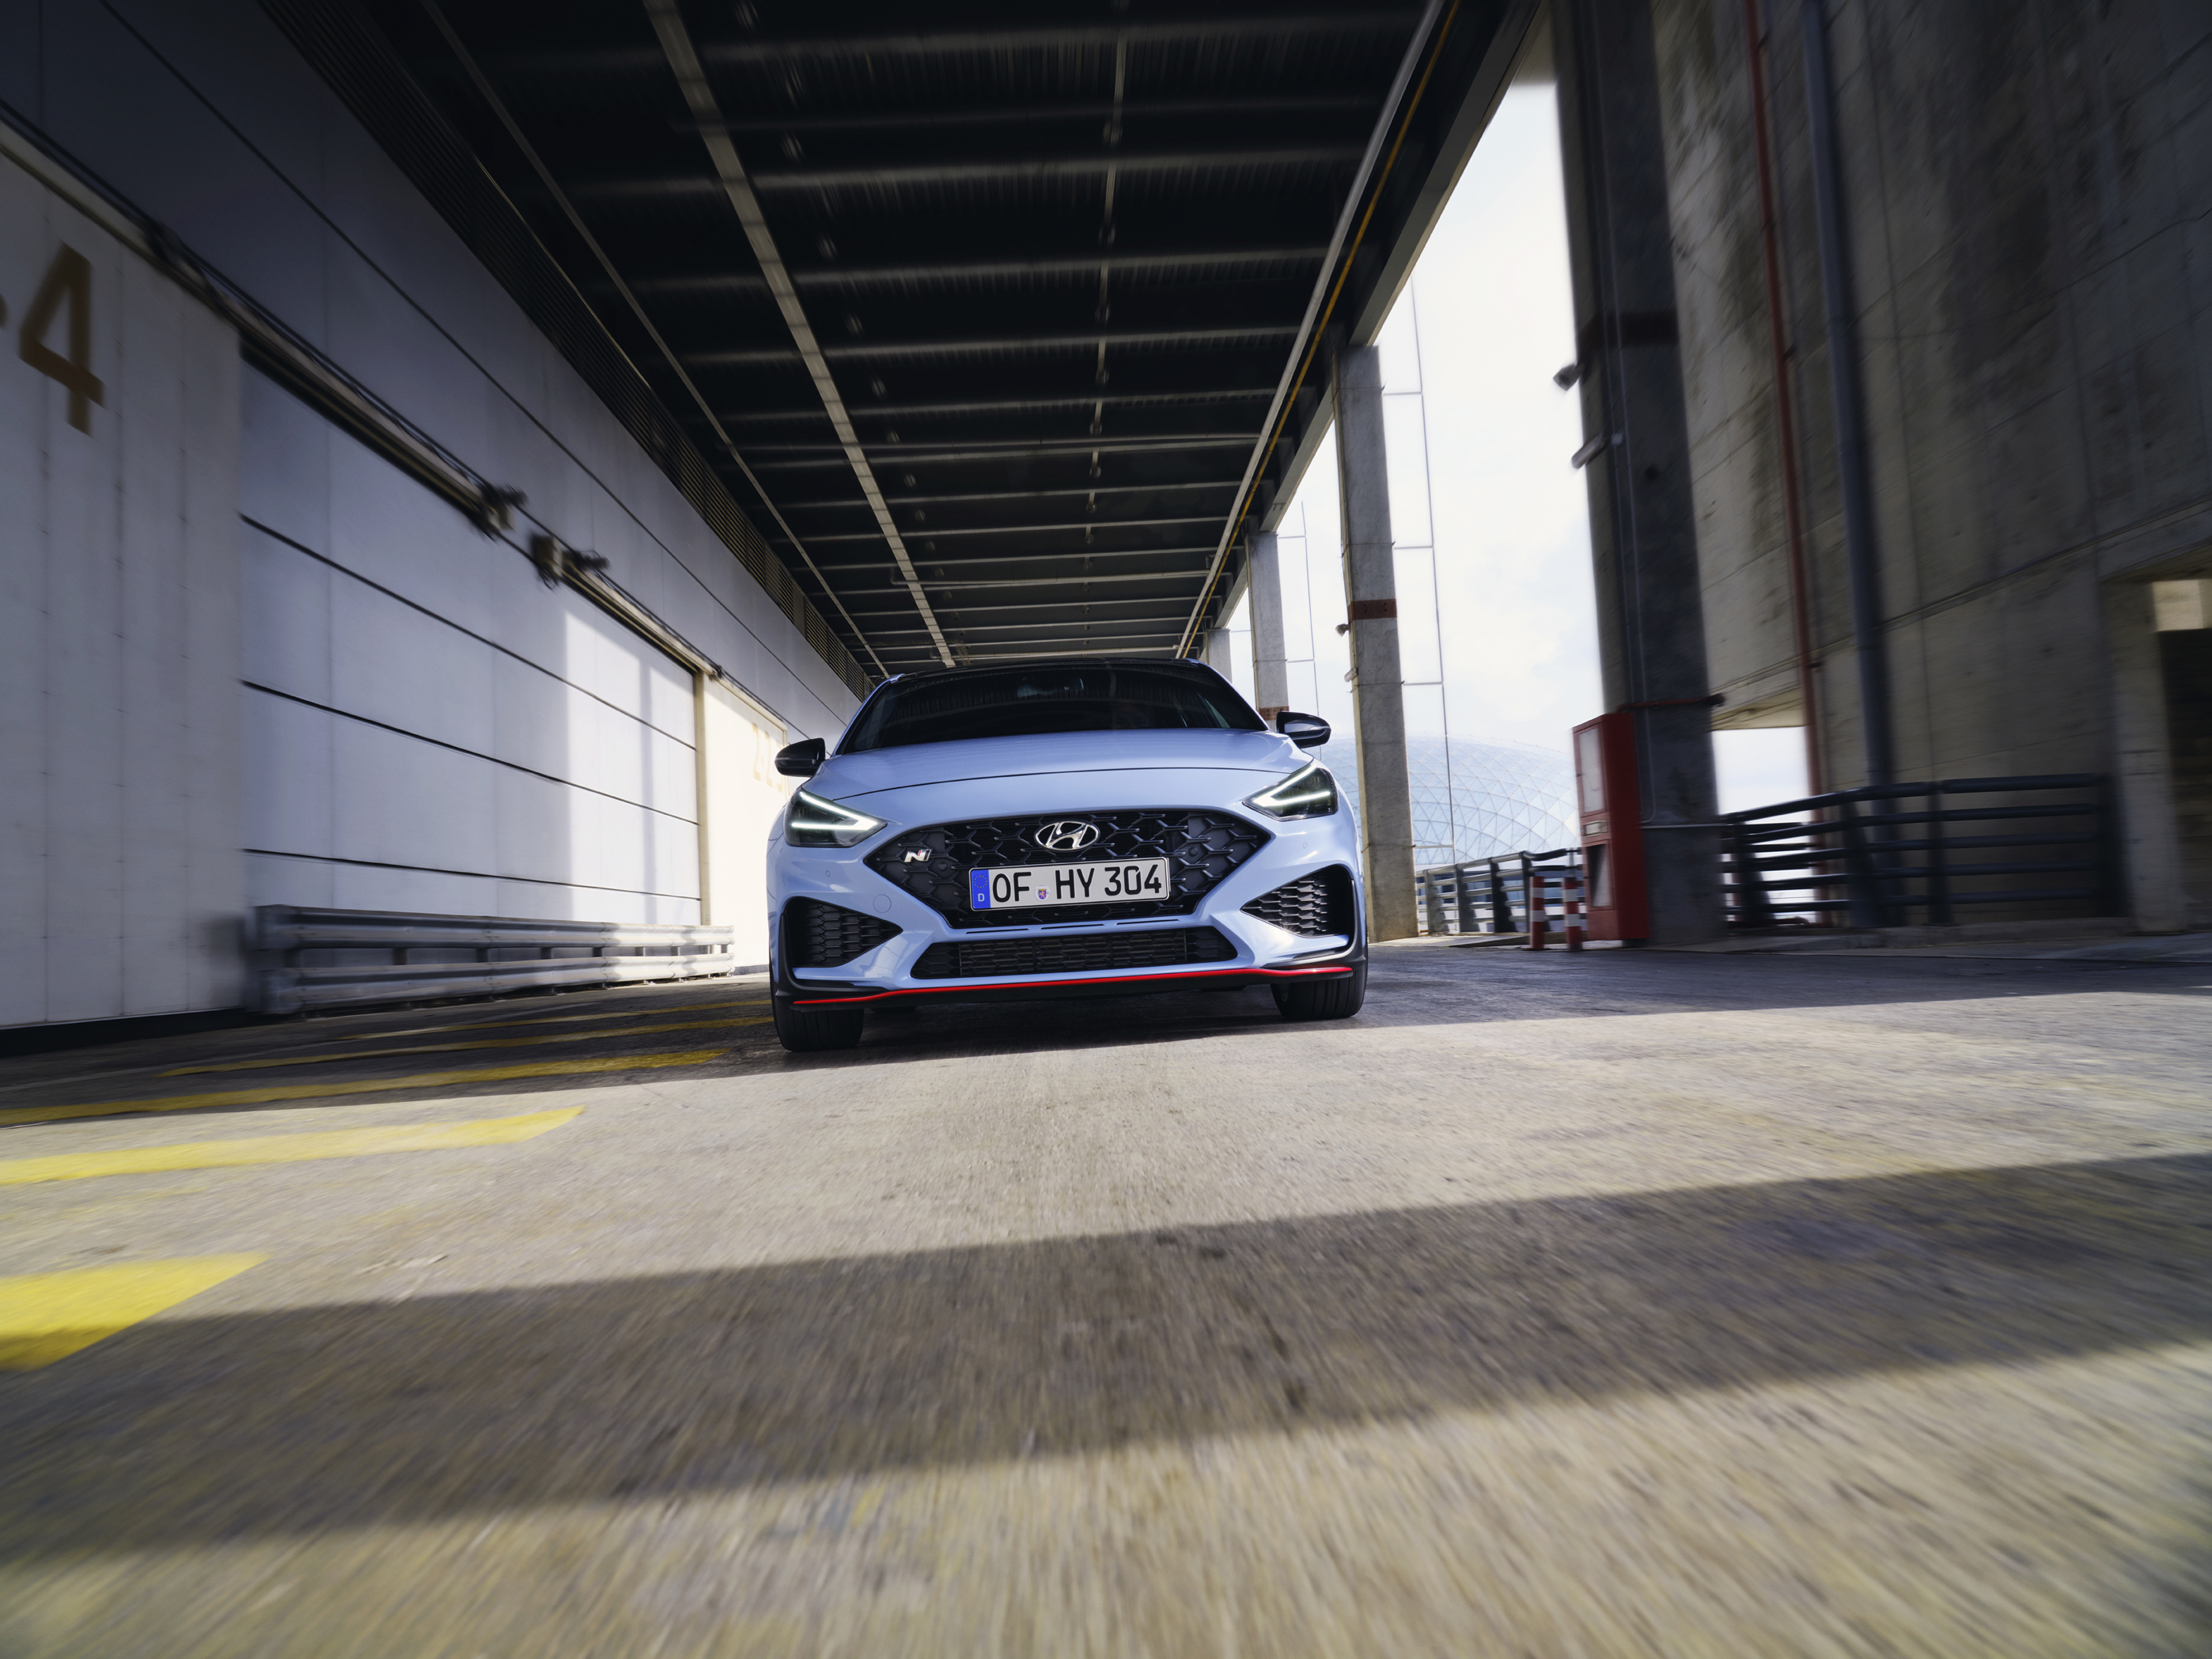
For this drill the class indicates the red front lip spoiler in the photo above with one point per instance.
(1115, 979)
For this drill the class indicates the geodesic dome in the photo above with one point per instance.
(1477, 800)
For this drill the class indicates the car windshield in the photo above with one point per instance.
(1025, 703)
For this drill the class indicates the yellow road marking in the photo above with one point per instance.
(456, 1048)
(548, 1019)
(316, 1091)
(48, 1316)
(282, 1149)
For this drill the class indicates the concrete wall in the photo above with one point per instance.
(2033, 276)
(2025, 184)
(1727, 367)
(424, 726)
(119, 879)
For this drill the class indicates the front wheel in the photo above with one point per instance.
(805, 1030)
(1338, 997)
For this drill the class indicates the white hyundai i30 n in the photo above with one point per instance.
(1058, 829)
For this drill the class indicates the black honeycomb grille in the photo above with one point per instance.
(1315, 904)
(1201, 847)
(1084, 953)
(828, 935)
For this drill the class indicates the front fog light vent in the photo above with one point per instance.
(1312, 905)
(828, 935)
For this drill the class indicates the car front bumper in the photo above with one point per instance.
(1263, 953)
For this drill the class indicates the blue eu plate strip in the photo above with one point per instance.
(979, 890)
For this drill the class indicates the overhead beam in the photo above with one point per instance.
(699, 98)
(1077, 164)
(901, 411)
(982, 169)
(988, 608)
(936, 560)
(1064, 342)
(1167, 632)
(1026, 529)
(606, 59)
(1101, 651)
(1231, 109)
(733, 283)
(1004, 449)
(1024, 495)
(940, 586)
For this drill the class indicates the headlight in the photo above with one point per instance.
(814, 821)
(1307, 792)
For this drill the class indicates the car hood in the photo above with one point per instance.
(845, 777)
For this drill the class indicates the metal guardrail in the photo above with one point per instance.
(1857, 858)
(335, 957)
(1491, 896)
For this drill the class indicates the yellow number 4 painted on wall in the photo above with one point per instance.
(68, 282)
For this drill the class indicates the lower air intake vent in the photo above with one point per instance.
(1316, 904)
(828, 935)
(1086, 953)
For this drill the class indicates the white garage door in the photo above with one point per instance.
(428, 727)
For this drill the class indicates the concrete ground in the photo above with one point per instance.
(1621, 1304)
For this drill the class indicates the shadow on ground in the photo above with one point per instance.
(299, 1422)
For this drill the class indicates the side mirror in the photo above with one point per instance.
(1307, 730)
(804, 760)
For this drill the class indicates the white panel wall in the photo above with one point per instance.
(430, 727)
(424, 725)
(119, 640)
(229, 137)
(741, 793)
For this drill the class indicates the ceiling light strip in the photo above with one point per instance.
(699, 98)
(490, 96)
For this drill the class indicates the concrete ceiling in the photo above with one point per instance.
(1004, 322)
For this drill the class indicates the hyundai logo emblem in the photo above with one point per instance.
(1068, 836)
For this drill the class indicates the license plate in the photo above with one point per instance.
(1107, 882)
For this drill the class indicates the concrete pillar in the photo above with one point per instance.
(1371, 596)
(2148, 838)
(1651, 635)
(1219, 657)
(1271, 672)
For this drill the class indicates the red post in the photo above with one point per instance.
(1611, 830)
(1571, 896)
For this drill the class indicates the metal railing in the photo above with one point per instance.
(1491, 896)
(334, 957)
(1857, 852)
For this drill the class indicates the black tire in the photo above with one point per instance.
(1334, 998)
(805, 1030)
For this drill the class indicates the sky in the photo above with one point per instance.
(1491, 305)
